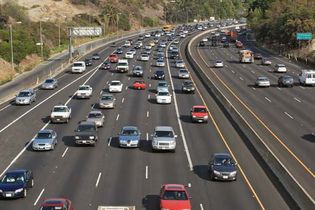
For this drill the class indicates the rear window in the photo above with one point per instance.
(78, 64)
(174, 195)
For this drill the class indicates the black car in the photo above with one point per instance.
(88, 62)
(286, 81)
(222, 167)
(105, 66)
(96, 56)
(202, 44)
(119, 50)
(188, 86)
(86, 133)
(174, 55)
(258, 56)
(159, 74)
(15, 183)
(226, 44)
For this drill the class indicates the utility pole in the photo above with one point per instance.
(70, 44)
(11, 45)
(41, 40)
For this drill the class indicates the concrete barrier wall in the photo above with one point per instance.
(300, 199)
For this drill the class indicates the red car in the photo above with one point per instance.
(57, 203)
(140, 85)
(174, 197)
(239, 44)
(113, 58)
(199, 114)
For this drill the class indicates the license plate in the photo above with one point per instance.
(199, 120)
(8, 195)
(225, 177)
(84, 142)
(58, 119)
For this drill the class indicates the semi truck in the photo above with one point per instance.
(246, 56)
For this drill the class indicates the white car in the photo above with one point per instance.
(144, 57)
(78, 67)
(162, 86)
(84, 91)
(176, 41)
(129, 55)
(180, 64)
(163, 97)
(115, 86)
(127, 43)
(60, 113)
(134, 51)
(280, 68)
(218, 64)
(160, 62)
(148, 47)
(183, 74)
(262, 82)
(147, 35)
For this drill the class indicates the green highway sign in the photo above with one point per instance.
(304, 36)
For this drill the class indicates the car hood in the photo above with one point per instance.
(175, 204)
(130, 138)
(42, 141)
(11, 187)
(224, 168)
(106, 101)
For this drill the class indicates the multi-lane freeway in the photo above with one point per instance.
(110, 175)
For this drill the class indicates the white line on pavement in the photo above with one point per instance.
(148, 113)
(98, 179)
(150, 85)
(233, 71)
(126, 88)
(241, 78)
(117, 117)
(201, 206)
(122, 100)
(109, 141)
(288, 115)
(5, 107)
(268, 99)
(298, 100)
(147, 137)
(40, 194)
(64, 153)
(302, 87)
(146, 172)
(128, 78)
(149, 96)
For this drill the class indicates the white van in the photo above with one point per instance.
(78, 67)
(307, 77)
(123, 65)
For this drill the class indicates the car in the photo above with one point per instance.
(202, 43)
(159, 74)
(160, 55)
(139, 85)
(262, 81)
(286, 81)
(147, 35)
(119, 50)
(175, 49)
(84, 91)
(188, 86)
(129, 55)
(140, 37)
(258, 56)
(49, 84)
(147, 47)
(16, 183)
(127, 43)
(175, 197)
(162, 86)
(133, 51)
(152, 43)
(199, 114)
(60, 113)
(137, 71)
(265, 62)
(174, 55)
(97, 117)
(96, 56)
(144, 57)
(218, 64)
(129, 136)
(115, 86)
(163, 97)
(26, 96)
(113, 58)
(226, 44)
(147, 51)
(78, 67)
(171, 47)
(105, 65)
(176, 41)
(307, 77)
(56, 204)
(88, 62)
(160, 62)
(86, 133)
(280, 68)
(222, 167)
(106, 101)
(179, 64)
(45, 139)
(137, 46)
(239, 44)
(164, 138)
(183, 74)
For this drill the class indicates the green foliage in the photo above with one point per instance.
(151, 22)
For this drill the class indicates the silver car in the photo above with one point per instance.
(45, 140)
(26, 96)
(50, 84)
(262, 82)
(97, 117)
(162, 86)
(164, 138)
(183, 74)
(107, 100)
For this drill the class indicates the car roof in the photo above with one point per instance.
(54, 201)
(60, 106)
(163, 128)
(174, 187)
(115, 81)
(95, 112)
(27, 90)
(107, 94)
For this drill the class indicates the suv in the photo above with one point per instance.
(199, 114)
(26, 96)
(222, 167)
(60, 113)
(86, 133)
(164, 138)
(175, 197)
(188, 86)
(84, 91)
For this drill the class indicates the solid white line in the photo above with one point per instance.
(233, 71)
(241, 78)
(147, 137)
(117, 117)
(288, 115)
(109, 142)
(126, 87)
(146, 172)
(254, 88)
(278, 88)
(107, 82)
(302, 87)
(122, 100)
(201, 206)
(297, 100)
(64, 153)
(40, 194)
(150, 85)
(148, 113)
(5, 107)
(98, 179)
(268, 99)
(252, 71)
(112, 74)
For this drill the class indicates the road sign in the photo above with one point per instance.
(304, 36)
(86, 31)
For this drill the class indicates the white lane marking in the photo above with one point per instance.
(126, 88)
(278, 88)
(241, 78)
(302, 87)
(201, 206)
(117, 117)
(5, 107)
(268, 99)
(149, 96)
(109, 141)
(147, 136)
(128, 78)
(252, 71)
(146, 172)
(233, 71)
(40, 195)
(177, 114)
(98, 179)
(254, 88)
(107, 82)
(64, 153)
(148, 113)
(288, 115)
(298, 100)
(150, 85)
(112, 74)
(122, 100)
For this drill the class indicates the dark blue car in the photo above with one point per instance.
(15, 183)
(159, 74)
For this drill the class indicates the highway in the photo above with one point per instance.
(280, 116)
(109, 175)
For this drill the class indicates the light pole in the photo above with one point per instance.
(41, 40)
(11, 44)
(117, 21)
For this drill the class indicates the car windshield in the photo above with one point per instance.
(60, 109)
(183, 71)
(43, 135)
(144, 55)
(13, 178)
(84, 88)
(95, 115)
(129, 132)
(77, 64)
(86, 128)
(160, 72)
(24, 94)
(175, 195)
(163, 93)
(200, 110)
(263, 79)
(164, 134)
(281, 65)
(49, 81)
(52, 208)
(162, 84)
(188, 83)
(107, 98)
(115, 83)
(139, 82)
(223, 161)
(138, 68)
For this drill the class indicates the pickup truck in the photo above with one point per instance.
(199, 114)
(86, 133)
(123, 65)
(60, 113)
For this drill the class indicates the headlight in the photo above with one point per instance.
(19, 190)
(205, 117)
(172, 143)
(194, 116)
(77, 137)
(216, 172)
(1, 191)
(91, 137)
(233, 173)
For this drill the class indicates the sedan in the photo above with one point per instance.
(119, 50)
(137, 71)
(175, 197)
(218, 64)
(50, 84)
(45, 140)
(115, 86)
(265, 61)
(222, 167)
(188, 86)
(97, 117)
(15, 183)
(160, 62)
(105, 65)
(262, 82)
(162, 86)
(139, 85)
(159, 74)
(26, 96)
(144, 57)
(96, 56)
(88, 62)
(129, 136)
(56, 204)
(285, 81)
(180, 64)
(163, 97)
(107, 100)
(129, 55)
(183, 74)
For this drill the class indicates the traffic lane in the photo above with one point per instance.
(274, 108)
